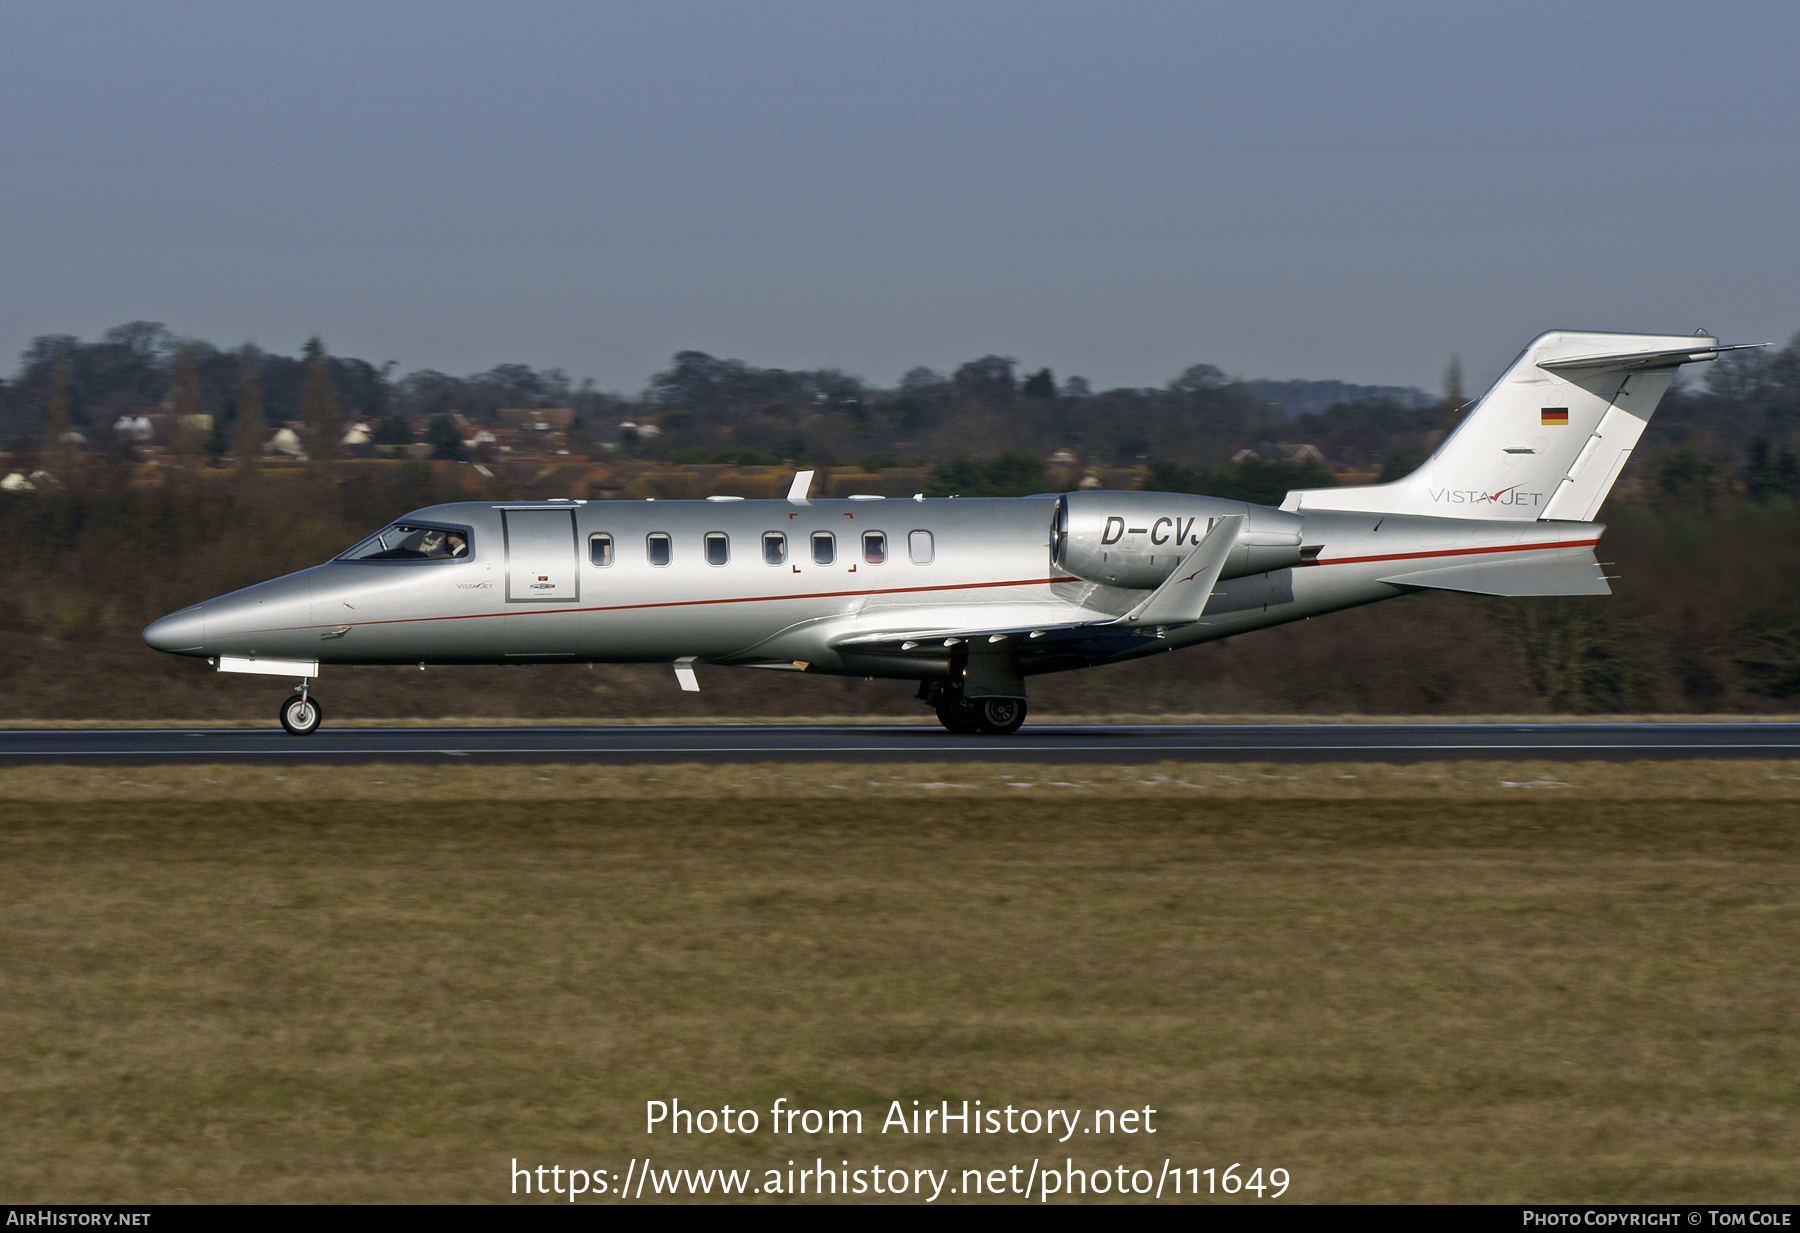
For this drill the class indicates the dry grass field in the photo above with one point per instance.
(1463, 982)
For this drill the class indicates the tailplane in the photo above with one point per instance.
(1547, 441)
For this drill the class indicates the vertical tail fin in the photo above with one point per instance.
(1547, 441)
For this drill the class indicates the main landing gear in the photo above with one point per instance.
(968, 716)
(300, 714)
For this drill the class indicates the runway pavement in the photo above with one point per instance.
(850, 743)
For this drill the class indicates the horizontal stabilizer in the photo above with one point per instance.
(1520, 578)
(1639, 361)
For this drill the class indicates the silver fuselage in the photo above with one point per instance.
(530, 588)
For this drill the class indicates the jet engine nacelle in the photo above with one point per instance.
(1136, 539)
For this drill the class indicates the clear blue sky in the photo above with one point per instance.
(1114, 189)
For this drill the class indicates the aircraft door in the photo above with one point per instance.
(541, 561)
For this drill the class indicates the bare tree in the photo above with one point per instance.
(319, 409)
(247, 437)
(186, 436)
(58, 425)
(1579, 656)
(1454, 403)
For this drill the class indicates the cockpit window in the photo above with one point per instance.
(411, 542)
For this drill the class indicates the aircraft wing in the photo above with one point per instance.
(1178, 601)
(1184, 594)
(1576, 577)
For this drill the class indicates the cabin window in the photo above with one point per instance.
(875, 547)
(600, 550)
(658, 547)
(775, 548)
(718, 548)
(824, 548)
(919, 547)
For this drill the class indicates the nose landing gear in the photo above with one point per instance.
(300, 714)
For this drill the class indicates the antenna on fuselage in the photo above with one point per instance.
(800, 487)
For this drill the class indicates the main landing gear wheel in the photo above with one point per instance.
(998, 716)
(967, 716)
(300, 715)
(958, 716)
(990, 716)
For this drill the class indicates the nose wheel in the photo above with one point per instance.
(300, 715)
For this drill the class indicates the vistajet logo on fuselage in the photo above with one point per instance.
(1476, 496)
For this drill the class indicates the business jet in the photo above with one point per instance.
(967, 597)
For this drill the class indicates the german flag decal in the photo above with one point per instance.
(1556, 415)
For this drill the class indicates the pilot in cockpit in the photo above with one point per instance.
(401, 542)
(438, 545)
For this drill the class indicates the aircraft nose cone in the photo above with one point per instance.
(179, 632)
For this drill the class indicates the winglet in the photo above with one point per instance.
(800, 487)
(1182, 597)
(684, 674)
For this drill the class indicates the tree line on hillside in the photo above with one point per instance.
(1707, 537)
(988, 426)
(1705, 615)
